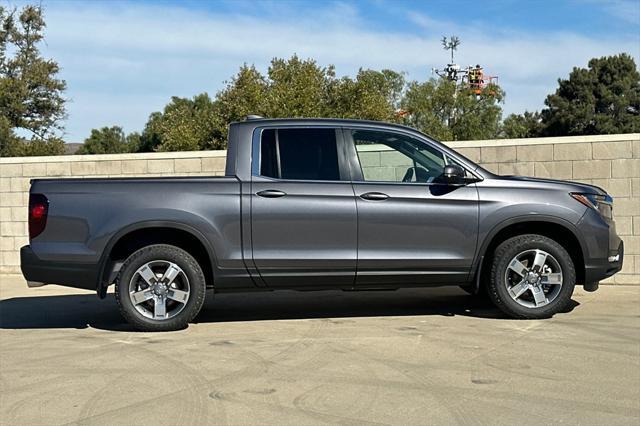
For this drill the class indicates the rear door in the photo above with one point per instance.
(303, 211)
(412, 226)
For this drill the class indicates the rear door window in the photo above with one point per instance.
(299, 154)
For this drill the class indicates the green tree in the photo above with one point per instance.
(446, 111)
(372, 95)
(601, 99)
(31, 100)
(301, 88)
(149, 140)
(291, 88)
(244, 94)
(527, 125)
(109, 140)
(297, 88)
(183, 125)
(10, 144)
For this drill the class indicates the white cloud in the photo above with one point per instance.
(627, 11)
(122, 62)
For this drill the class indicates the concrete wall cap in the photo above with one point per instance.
(544, 141)
(111, 157)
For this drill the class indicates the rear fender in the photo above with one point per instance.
(105, 277)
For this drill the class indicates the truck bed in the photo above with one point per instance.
(86, 216)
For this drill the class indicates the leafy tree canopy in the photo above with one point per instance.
(291, 88)
(109, 140)
(527, 125)
(603, 98)
(446, 112)
(183, 125)
(31, 100)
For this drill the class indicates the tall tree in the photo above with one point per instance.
(31, 100)
(603, 98)
(447, 111)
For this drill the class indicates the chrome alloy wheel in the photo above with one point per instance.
(159, 290)
(533, 278)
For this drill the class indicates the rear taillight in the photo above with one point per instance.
(38, 210)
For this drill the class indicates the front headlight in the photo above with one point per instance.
(602, 203)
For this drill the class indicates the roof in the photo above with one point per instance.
(326, 121)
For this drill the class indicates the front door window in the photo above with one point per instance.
(391, 157)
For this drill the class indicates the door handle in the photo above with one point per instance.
(271, 193)
(374, 196)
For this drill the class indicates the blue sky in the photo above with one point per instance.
(124, 60)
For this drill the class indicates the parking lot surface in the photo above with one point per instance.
(411, 357)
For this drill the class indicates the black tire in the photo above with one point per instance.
(166, 253)
(503, 255)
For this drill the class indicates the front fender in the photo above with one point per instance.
(532, 218)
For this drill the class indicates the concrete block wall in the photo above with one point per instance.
(609, 161)
(15, 174)
(380, 162)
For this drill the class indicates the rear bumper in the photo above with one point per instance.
(38, 272)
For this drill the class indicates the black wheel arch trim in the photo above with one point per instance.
(149, 224)
(482, 251)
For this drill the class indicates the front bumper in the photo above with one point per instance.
(603, 249)
(606, 267)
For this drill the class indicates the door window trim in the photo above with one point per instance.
(256, 153)
(356, 167)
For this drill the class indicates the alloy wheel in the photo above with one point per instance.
(533, 278)
(159, 290)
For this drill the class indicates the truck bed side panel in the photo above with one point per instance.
(87, 215)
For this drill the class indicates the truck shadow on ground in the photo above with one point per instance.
(86, 310)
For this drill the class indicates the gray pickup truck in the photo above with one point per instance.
(312, 204)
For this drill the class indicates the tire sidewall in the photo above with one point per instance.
(186, 262)
(514, 246)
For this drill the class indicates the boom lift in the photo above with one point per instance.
(471, 78)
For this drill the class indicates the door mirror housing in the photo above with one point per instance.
(453, 174)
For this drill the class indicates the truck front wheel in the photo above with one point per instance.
(532, 276)
(160, 288)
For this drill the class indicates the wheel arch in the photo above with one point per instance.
(560, 230)
(141, 234)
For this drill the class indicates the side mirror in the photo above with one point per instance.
(453, 174)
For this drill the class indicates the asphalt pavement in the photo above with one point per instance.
(410, 357)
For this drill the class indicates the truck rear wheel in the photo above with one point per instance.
(532, 277)
(160, 288)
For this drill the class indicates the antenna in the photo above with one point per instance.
(451, 44)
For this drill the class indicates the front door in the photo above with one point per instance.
(412, 226)
(303, 211)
